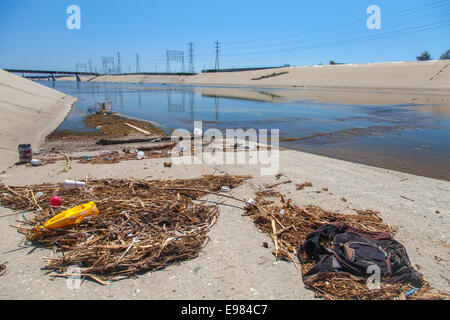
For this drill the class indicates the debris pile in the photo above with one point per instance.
(288, 225)
(142, 225)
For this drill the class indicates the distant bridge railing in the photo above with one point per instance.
(52, 72)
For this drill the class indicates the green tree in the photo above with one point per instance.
(446, 55)
(425, 56)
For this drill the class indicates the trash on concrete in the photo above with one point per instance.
(36, 162)
(72, 216)
(140, 155)
(290, 230)
(141, 225)
(301, 186)
(39, 195)
(249, 202)
(74, 184)
(55, 201)
(2, 268)
(25, 153)
(225, 189)
(167, 164)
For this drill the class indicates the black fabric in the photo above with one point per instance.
(354, 251)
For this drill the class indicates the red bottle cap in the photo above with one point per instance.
(55, 201)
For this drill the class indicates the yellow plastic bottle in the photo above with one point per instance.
(72, 216)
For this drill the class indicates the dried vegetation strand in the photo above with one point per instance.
(142, 225)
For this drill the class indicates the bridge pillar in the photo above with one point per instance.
(78, 77)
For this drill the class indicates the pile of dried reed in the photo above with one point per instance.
(288, 225)
(142, 225)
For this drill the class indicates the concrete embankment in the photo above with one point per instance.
(28, 112)
(424, 75)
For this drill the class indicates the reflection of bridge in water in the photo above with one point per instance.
(176, 106)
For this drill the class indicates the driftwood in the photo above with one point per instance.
(137, 129)
(105, 142)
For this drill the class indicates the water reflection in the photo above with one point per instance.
(363, 132)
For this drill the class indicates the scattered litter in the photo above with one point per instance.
(407, 198)
(36, 162)
(343, 200)
(276, 184)
(289, 231)
(2, 268)
(303, 185)
(249, 203)
(55, 201)
(167, 164)
(74, 184)
(140, 155)
(225, 189)
(38, 195)
(72, 216)
(410, 292)
(25, 152)
(161, 214)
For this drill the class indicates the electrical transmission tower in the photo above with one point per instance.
(175, 56)
(191, 57)
(217, 67)
(81, 66)
(119, 66)
(138, 68)
(108, 65)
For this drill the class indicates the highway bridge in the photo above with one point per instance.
(52, 73)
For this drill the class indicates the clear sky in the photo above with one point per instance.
(34, 35)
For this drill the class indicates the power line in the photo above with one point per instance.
(407, 12)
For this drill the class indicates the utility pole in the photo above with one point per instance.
(119, 66)
(138, 68)
(191, 57)
(217, 67)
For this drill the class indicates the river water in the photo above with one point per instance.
(396, 137)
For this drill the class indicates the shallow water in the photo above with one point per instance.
(395, 137)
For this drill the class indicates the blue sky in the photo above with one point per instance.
(33, 33)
